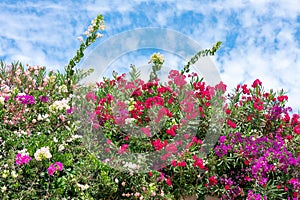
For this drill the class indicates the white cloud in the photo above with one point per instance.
(44, 32)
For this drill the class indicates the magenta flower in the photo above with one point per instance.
(51, 170)
(58, 166)
(26, 99)
(22, 159)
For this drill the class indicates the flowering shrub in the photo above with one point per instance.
(133, 139)
(258, 154)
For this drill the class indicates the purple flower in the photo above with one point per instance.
(253, 196)
(44, 99)
(69, 111)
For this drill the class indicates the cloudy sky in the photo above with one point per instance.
(261, 38)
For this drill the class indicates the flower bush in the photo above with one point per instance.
(127, 138)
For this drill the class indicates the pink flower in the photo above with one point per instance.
(221, 86)
(146, 130)
(90, 96)
(123, 148)
(59, 166)
(180, 80)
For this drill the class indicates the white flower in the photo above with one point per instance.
(3, 189)
(131, 165)
(74, 137)
(23, 152)
(63, 88)
(157, 57)
(39, 118)
(83, 187)
(102, 27)
(42, 153)
(87, 33)
(59, 105)
(2, 100)
(55, 140)
(61, 148)
(14, 174)
(129, 120)
(99, 35)
(80, 38)
(5, 173)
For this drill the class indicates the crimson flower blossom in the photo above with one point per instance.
(168, 181)
(213, 180)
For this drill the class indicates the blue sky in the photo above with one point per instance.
(261, 38)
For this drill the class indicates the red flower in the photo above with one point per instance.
(174, 163)
(198, 162)
(282, 98)
(213, 180)
(181, 164)
(171, 131)
(158, 145)
(297, 129)
(228, 111)
(227, 187)
(247, 178)
(246, 162)
(256, 83)
(150, 174)
(231, 124)
(245, 89)
(168, 181)
(278, 187)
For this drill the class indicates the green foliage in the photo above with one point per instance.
(200, 54)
